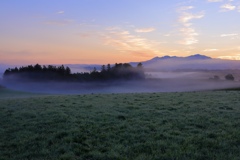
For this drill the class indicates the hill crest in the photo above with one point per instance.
(193, 57)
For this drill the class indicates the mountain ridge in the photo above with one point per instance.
(195, 56)
(192, 62)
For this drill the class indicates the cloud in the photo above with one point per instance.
(228, 35)
(214, 0)
(190, 35)
(185, 8)
(231, 35)
(167, 35)
(210, 50)
(188, 30)
(59, 22)
(124, 41)
(228, 7)
(186, 17)
(236, 57)
(60, 12)
(145, 30)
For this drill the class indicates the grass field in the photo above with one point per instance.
(194, 125)
(11, 94)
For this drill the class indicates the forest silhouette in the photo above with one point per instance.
(119, 71)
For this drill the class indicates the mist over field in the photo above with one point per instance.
(155, 82)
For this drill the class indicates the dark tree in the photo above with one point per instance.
(229, 77)
(67, 71)
(139, 65)
(37, 67)
(103, 68)
(44, 68)
(108, 67)
(7, 72)
(94, 70)
(61, 70)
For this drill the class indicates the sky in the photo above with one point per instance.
(114, 31)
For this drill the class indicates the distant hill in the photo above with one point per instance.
(198, 57)
(193, 62)
(192, 57)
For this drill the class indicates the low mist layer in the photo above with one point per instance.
(153, 85)
(154, 82)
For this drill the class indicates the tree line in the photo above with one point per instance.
(119, 71)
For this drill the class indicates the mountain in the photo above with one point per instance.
(193, 62)
(192, 57)
(198, 57)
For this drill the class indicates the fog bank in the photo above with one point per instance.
(149, 85)
(155, 82)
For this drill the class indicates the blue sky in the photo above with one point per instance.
(107, 31)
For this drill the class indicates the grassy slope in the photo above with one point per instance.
(197, 125)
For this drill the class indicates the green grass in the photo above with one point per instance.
(196, 125)
(9, 94)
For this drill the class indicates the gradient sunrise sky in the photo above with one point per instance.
(109, 31)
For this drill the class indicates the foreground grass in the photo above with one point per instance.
(197, 125)
(11, 94)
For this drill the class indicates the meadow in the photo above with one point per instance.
(156, 126)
